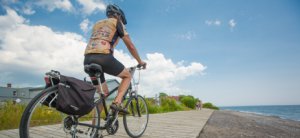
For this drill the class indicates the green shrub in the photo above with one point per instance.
(188, 101)
(170, 104)
(167, 105)
(180, 97)
(152, 107)
(210, 106)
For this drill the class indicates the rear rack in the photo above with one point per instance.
(53, 74)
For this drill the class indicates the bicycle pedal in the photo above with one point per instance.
(86, 132)
(80, 131)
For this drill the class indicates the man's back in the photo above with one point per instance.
(105, 36)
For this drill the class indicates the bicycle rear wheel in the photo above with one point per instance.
(39, 120)
(136, 121)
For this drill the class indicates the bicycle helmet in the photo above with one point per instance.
(113, 9)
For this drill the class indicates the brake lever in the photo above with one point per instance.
(140, 66)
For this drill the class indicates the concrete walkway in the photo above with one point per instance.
(181, 124)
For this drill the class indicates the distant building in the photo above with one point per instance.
(175, 97)
(24, 95)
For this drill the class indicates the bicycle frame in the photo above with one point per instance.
(132, 91)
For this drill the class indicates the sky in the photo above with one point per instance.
(230, 53)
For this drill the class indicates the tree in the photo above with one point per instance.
(162, 94)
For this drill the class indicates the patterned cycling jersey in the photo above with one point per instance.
(105, 36)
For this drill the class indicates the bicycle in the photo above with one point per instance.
(36, 114)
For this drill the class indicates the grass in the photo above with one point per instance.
(10, 115)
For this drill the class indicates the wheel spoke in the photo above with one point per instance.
(135, 125)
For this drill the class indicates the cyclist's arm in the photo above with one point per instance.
(130, 46)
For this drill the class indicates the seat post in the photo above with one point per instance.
(99, 82)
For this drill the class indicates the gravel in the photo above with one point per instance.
(231, 124)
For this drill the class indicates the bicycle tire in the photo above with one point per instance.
(134, 120)
(36, 117)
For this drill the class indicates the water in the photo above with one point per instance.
(283, 111)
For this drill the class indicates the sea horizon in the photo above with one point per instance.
(291, 112)
(259, 105)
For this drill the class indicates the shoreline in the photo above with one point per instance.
(291, 112)
(262, 114)
(227, 123)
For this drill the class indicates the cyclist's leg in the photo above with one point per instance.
(126, 78)
(112, 66)
(116, 68)
(104, 87)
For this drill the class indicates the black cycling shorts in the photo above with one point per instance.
(109, 63)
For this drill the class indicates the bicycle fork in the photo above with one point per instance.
(137, 106)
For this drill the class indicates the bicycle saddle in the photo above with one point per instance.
(93, 68)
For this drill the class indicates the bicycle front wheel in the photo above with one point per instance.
(135, 123)
(40, 120)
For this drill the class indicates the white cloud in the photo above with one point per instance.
(162, 74)
(85, 25)
(51, 5)
(90, 6)
(217, 23)
(189, 35)
(86, 7)
(208, 22)
(28, 10)
(170, 7)
(232, 23)
(213, 22)
(12, 19)
(6, 2)
(37, 49)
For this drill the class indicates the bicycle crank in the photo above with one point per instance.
(112, 128)
(67, 123)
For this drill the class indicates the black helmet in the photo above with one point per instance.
(112, 9)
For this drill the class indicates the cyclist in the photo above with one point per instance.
(105, 36)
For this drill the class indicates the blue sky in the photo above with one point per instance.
(233, 52)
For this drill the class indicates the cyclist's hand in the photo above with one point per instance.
(142, 65)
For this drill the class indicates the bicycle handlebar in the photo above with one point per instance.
(142, 66)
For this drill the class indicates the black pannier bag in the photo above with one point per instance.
(75, 97)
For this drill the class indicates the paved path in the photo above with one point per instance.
(182, 124)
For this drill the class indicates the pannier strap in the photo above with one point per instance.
(68, 82)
